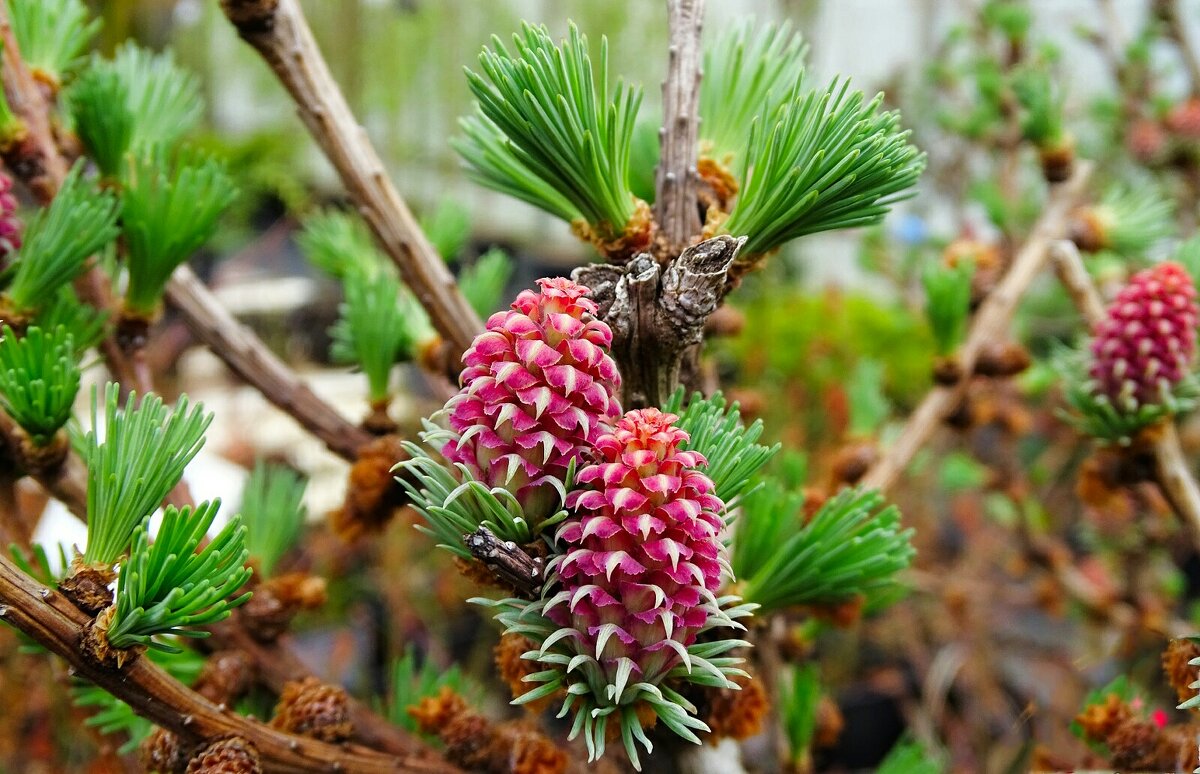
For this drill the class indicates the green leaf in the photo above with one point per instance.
(715, 430)
(412, 683)
(273, 512)
(53, 35)
(852, 546)
(948, 302)
(550, 132)
(448, 228)
(145, 449)
(869, 406)
(85, 323)
(163, 97)
(909, 757)
(171, 204)
(59, 239)
(1041, 104)
(169, 587)
(823, 159)
(798, 698)
(377, 328)
(104, 123)
(483, 282)
(339, 244)
(39, 379)
(747, 73)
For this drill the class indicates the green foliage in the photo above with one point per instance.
(550, 132)
(769, 517)
(273, 512)
(163, 97)
(483, 282)
(146, 447)
(39, 379)
(1134, 218)
(104, 123)
(799, 696)
(53, 35)
(1041, 105)
(167, 587)
(747, 72)
(114, 716)
(852, 546)
(909, 757)
(869, 407)
(35, 562)
(823, 159)
(716, 431)
(171, 204)
(58, 240)
(452, 509)
(85, 323)
(375, 327)
(448, 228)
(412, 683)
(644, 153)
(948, 302)
(339, 244)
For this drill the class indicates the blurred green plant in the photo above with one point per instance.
(164, 98)
(799, 695)
(484, 281)
(53, 35)
(105, 125)
(411, 683)
(273, 511)
(39, 379)
(948, 303)
(909, 757)
(171, 203)
(85, 323)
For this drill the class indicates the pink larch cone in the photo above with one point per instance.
(539, 388)
(1147, 341)
(645, 552)
(10, 225)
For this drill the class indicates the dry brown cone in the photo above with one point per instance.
(1099, 721)
(1135, 745)
(1090, 229)
(636, 236)
(528, 750)
(162, 753)
(276, 602)
(314, 709)
(227, 756)
(226, 676)
(513, 669)
(1002, 359)
(736, 714)
(851, 463)
(1057, 160)
(372, 493)
(1179, 673)
(435, 712)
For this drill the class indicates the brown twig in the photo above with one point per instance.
(67, 482)
(51, 620)
(988, 325)
(1173, 16)
(249, 358)
(279, 32)
(675, 179)
(1172, 469)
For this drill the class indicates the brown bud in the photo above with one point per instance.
(276, 602)
(947, 370)
(1000, 359)
(852, 462)
(1089, 229)
(227, 756)
(1098, 721)
(87, 586)
(372, 493)
(1146, 141)
(225, 677)
(162, 752)
(726, 321)
(1133, 745)
(1057, 160)
(94, 643)
(315, 709)
(1184, 119)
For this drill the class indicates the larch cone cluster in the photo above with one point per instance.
(1147, 341)
(644, 553)
(539, 388)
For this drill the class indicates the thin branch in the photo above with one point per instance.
(988, 325)
(675, 206)
(1174, 15)
(66, 482)
(1171, 467)
(279, 32)
(53, 622)
(248, 357)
